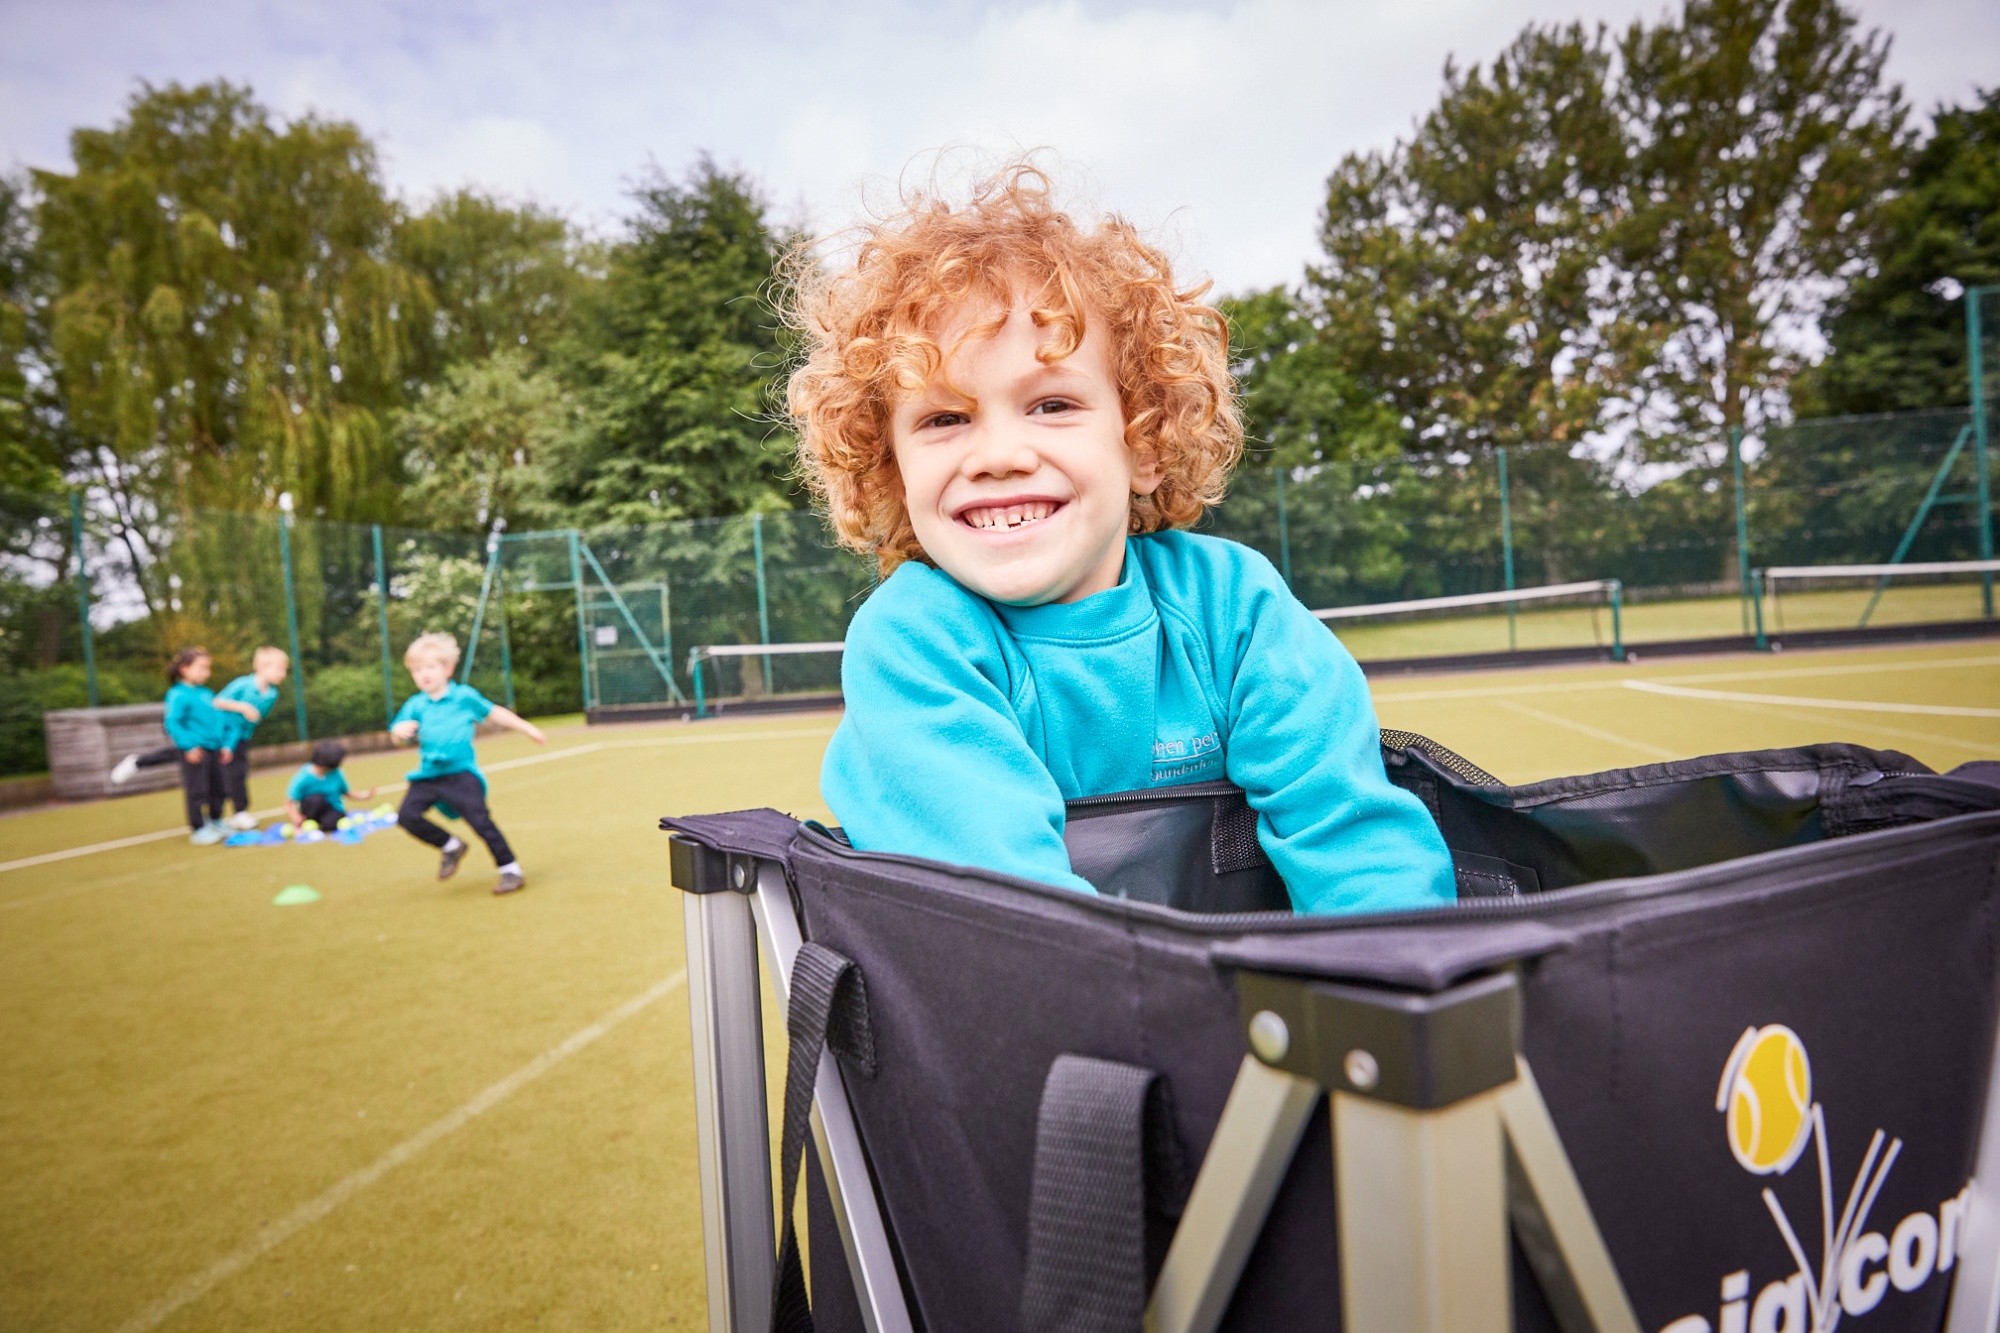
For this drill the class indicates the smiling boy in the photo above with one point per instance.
(1014, 415)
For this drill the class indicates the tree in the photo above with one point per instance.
(498, 277)
(677, 360)
(1898, 336)
(1762, 142)
(1460, 268)
(1301, 406)
(475, 445)
(230, 321)
(30, 455)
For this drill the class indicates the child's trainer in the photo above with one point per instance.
(1016, 416)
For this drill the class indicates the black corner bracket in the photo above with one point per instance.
(1419, 1051)
(702, 869)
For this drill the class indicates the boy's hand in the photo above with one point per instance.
(227, 756)
(404, 731)
(194, 756)
(534, 733)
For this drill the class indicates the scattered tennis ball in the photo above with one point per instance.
(292, 895)
(286, 830)
(345, 822)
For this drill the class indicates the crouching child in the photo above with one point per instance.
(319, 789)
(441, 719)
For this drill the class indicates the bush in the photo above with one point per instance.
(26, 695)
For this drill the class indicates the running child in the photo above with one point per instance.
(254, 694)
(319, 789)
(1016, 415)
(441, 718)
(199, 732)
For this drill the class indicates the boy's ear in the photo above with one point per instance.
(1145, 472)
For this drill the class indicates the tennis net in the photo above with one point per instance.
(745, 671)
(1583, 614)
(1817, 597)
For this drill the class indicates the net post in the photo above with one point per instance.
(500, 607)
(1745, 593)
(382, 608)
(763, 600)
(1617, 620)
(292, 611)
(1507, 553)
(700, 696)
(1976, 369)
(1756, 585)
(83, 596)
(479, 611)
(582, 634)
(1284, 530)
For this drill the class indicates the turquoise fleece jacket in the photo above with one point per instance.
(246, 690)
(969, 723)
(193, 721)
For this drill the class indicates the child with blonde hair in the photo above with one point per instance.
(1017, 416)
(250, 699)
(441, 719)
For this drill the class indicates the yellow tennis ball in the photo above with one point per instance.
(1769, 1098)
(344, 822)
(285, 830)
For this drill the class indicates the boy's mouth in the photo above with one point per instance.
(1009, 517)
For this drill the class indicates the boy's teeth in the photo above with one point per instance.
(1009, 516)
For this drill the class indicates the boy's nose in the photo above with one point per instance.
(999, 452)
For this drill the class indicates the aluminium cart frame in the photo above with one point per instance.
(1441, 1140)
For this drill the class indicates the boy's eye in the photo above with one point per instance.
(938, 420)
(1051, 406)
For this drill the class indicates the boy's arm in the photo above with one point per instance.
(930, 759)
(248, 712)
(513, 721)
(1305, 747)
(404, 729)
(293, 813)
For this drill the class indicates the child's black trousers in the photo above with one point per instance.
(201, 784)
(317, 809)
(236, 778)
(464, 793)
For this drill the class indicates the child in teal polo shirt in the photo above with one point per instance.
(318, 791)
(442, 718)
(199, 732)
(254, 695)
(1015, 416)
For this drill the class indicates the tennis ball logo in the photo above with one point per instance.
(1766, 1094)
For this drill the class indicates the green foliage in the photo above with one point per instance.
(678, 358)
(231, 322)
(498, 277)
(1301, 405)
(29, 451)
(1598, 230)
(26, 695)
(476, 443)
(1899, 335)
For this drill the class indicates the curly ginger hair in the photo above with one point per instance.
(870, 337)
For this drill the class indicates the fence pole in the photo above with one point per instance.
(1743, 589)
(582, 635)
(506, 650)
(1507, 544)
(1975, 366)
(382, 609)
(292, 612)
(1284, 530)
(83, 596)
(763, 600)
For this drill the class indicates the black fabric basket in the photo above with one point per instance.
(1657, 917)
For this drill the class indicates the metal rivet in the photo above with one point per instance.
(1361, 1069)
(739, 874)
(1269, 1037)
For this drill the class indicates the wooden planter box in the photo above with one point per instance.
(85, 742)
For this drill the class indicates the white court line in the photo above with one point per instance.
(390, 788)
(1796, 701)
(1868, 725)
(1585, 729)
(1782, 673)
(277, 1233)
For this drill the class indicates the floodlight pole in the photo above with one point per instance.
(1507, 543)
(382, 610)
(1975, 367)
(292, 611)
(83, 596)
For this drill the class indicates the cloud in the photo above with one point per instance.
(1217, 122)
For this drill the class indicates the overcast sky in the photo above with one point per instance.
(1216, 122)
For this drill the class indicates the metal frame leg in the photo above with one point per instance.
(1262, 1123)
(1423, 1217)
(856, 1212)
(732, 1123)
(1975, 1292)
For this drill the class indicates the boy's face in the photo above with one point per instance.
(430, 673)
(1023, 494)
(271, 669)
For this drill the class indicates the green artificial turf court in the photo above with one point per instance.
(414, 1105)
